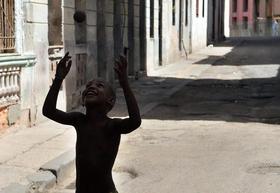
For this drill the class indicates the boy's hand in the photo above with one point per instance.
(121, 69)
(62, 69)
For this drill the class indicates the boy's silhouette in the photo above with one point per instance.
(98, 136)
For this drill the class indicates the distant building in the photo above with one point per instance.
(252, 17)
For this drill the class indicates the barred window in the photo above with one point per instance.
(7, 26)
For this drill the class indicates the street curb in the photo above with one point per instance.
(41, 181)
(15, 188)
(61, 166)
(38, 182)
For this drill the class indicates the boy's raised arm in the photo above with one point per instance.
(49, 107)
(134, 120)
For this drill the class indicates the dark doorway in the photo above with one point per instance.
(160, 32)
(143, 40)
(210, 22)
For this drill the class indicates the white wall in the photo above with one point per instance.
(226, 19)
(199, 26)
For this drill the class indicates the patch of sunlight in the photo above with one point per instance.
(260, 71)
(215, 51)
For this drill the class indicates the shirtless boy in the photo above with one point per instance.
(98, 136)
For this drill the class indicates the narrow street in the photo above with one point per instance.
(218, 134)
(242, 86)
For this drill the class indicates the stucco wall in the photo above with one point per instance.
(35, 41)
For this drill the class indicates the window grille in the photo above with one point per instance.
(7, 26)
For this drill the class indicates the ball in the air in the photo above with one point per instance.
(79, 16)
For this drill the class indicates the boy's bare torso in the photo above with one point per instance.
(96, 149)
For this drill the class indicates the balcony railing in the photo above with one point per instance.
(9, 85)
(10, 74)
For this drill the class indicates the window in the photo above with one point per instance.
(7, 26)
(234, 6)
(257, 7)
(186, 12)
(197, 8)
(173, 12)
(245, 5)
(245, 22)
(234, 22)
(152, 7)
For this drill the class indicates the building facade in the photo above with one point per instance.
(175, 28)
(35, 35)
(253, 17)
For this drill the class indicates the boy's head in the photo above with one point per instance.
(99, 94)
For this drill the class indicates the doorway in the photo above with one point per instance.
(160, 33)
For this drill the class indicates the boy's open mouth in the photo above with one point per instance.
(91, 92)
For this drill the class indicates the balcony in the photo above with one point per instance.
(10, 75)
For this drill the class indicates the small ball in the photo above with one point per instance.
(79, 16)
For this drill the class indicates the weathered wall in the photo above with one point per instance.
(99, 44)
(260, 26)
(35, 41)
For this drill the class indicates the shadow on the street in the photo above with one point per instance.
(248, 100)
(245, 100)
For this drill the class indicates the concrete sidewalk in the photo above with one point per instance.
(35, 159)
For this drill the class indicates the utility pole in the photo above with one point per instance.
(143, 35)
